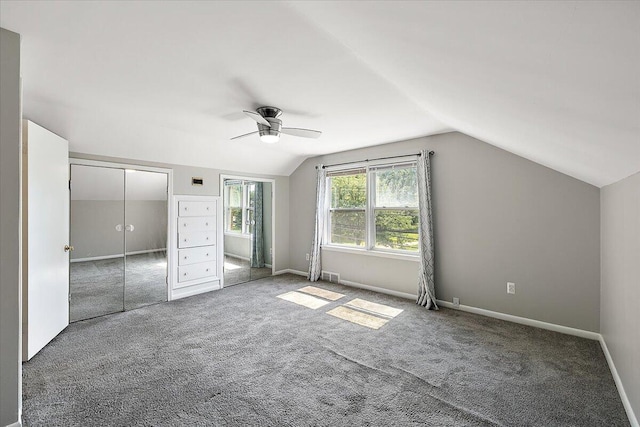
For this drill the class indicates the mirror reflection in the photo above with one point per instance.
(247, 230)
(118, 227)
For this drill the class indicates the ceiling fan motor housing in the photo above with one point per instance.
(271, 115)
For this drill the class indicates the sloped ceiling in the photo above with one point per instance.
(555, 82)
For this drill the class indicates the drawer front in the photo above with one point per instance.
(196, 223)
(196, 271)
(196, 208)
(195, 255)
(197, 238)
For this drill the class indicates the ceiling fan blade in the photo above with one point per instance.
(257, 117)
(246, 134)
(305, 133)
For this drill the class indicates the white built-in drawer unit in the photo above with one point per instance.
(196, 271)
(196, 223)
(193, 208)
(195, 255)
(198, 248)
(196, 238)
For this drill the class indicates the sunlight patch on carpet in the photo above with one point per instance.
(374, 308)
(358, 317)
(230, 266)
(303, 299)
(323, 293)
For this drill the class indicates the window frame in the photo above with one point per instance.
(370, 207)
(245, 207)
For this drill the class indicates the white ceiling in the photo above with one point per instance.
(555, 82)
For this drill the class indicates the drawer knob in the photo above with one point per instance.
(206, 223)
(185, 274)
(186, 257)
(207, 238)
(207, 255)
(207, 269)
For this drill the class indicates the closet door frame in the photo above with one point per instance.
(170, 225)
(224, 177)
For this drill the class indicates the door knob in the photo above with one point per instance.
(119, 227)
(129, 227)
(68, 248)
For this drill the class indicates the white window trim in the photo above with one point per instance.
(403, 255)
(369, 209)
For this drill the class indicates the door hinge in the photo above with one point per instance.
(69, 185)
(69, 297)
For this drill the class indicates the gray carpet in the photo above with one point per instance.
(241, 356)
(97, 286)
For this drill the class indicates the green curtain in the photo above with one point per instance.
(257, 238)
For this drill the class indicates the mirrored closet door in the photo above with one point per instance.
(248, 212)
(118, 228)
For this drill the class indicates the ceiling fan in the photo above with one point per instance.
(270, 126)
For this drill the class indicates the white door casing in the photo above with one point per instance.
(46, 233)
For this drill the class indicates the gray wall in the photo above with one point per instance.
(10, 161)
(620, 284)
(182, 185)
(497, 217)
(237, 245)
(93, 223)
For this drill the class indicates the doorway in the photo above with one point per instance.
(118, 231)
(248, 229)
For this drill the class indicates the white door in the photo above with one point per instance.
(46, 233)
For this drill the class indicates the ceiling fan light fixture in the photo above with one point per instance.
(269, 138)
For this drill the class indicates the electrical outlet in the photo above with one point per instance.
(307, 257)
(456, 302)
(511, 288)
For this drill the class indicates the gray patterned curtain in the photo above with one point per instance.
(257, 240)
(315, 265)
(426, 283)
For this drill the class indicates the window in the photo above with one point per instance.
(395, 208)
(347, 211)
(374, 208)
(239, 205)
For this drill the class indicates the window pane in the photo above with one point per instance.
(349, 191)
(235, 195)
(234, 218)
(397, 229)
(396, 187)
(348, 227)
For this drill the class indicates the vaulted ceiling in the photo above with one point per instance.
(555, 82)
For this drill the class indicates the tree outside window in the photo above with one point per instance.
(374, 208)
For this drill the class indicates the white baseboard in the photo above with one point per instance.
(377, 289)
(523, 321)
(16, 424)
(237, 256)
(99, 258)
(196, 289)
(616, 378)
(290, 271)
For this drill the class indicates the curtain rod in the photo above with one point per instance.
(431, 153)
